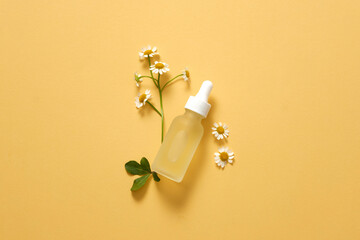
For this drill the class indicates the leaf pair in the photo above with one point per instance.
(144, 169)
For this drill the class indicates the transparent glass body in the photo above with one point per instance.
(179, 146)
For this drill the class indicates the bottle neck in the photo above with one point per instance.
(193, 115)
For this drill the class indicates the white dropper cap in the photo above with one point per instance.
(199, 103)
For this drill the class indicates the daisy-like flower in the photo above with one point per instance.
(137, 79)
(147, 52)
(159, 67)
(220, 130)
(224, 156)
(141, 99)
(186, 74)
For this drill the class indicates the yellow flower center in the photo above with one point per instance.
(220, 130)
(224, 156)
(147, 52)
(159, 65)
(187, 73)
(142, 97)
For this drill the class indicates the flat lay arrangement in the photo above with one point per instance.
(185, 132)
(181, 120)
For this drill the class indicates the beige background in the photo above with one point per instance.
(286, 79)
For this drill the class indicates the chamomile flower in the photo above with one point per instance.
(141, 99)
(224, 156)
(137, 79)
(186, 74)
(220, 130)
(147, 52)
(159, 67)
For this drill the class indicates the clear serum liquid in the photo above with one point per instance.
(183, 137)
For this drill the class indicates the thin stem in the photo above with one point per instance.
(146, 77)
(162, 109)
(152, 78)
(154, 108)
(171, 80)
(149, 68)
(161, 104)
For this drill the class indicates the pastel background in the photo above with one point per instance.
(286, 79)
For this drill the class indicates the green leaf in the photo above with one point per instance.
(139, 182)
(156, 177)
(135, 168)
(145, 164)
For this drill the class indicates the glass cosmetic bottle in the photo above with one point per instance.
(183, 137)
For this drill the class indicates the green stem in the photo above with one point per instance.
(162, 109)
(161, 103)
(154, 108)
(149, 68)
(171, 80)
(152, 78)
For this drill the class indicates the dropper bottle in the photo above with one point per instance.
(183, 137)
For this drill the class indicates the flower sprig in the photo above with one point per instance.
(155, 67)
(159, 68)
